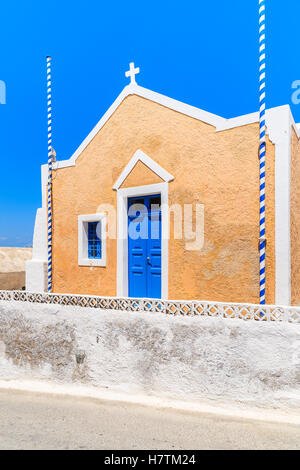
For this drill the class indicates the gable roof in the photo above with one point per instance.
(142, 157)
(218, 122)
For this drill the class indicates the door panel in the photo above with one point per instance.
(144, 247)
(137, 253)
(154, 253)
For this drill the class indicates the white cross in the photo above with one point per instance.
(132, 72)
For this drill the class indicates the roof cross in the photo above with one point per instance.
(132, 72)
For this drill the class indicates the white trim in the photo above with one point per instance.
(142, 157)
(178, 106)
(238, 121)
(190, 308)
(133, 89)
(122, 228)
(83, 259)
(71, 161)
(36, 268)
(220, 123)
(279, 126)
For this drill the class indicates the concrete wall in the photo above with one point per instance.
(184, 358)
(217, 169)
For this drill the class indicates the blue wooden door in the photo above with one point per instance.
(144, 246)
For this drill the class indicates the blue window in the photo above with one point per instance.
(94, 240)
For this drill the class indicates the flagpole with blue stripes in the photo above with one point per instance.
(50, 152)
(262, 152)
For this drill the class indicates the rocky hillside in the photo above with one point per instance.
(12, 267)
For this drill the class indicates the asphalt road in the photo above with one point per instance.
(41, 421)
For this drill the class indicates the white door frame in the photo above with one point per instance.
(122, 234)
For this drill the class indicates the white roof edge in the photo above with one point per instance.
(176, 105)
(218, 122)
(134, 89)
(71, 161)
(254, 117)
(139, 155)
(238, 121)
(294, 124)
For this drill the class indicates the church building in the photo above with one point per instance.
(161, 200)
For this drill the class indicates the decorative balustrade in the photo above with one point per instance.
(169, 307)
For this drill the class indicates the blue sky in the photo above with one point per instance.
(202, 53)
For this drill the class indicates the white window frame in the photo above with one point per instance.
(83, 220)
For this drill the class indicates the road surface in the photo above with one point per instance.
(41, 421)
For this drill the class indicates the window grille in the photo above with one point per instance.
(94, 240)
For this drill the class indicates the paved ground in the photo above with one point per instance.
(41, 421)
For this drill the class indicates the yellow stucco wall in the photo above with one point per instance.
(295, 220)
(219, 170)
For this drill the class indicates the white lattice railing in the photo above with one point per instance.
(170, 307)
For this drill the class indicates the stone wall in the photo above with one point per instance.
(184, 358)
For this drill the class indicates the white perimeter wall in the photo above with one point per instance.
(153, 354)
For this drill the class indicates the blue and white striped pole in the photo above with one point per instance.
(50, 151)
(262, 152)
